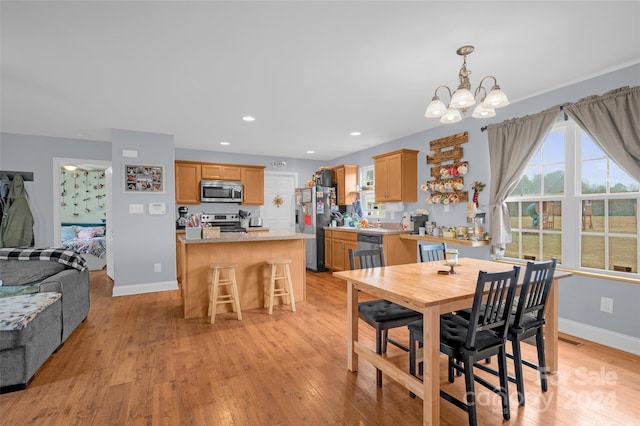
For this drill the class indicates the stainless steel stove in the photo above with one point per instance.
(228, 222)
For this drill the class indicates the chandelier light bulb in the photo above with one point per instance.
(496, 98)
(451, 116)
(436, 108)
(462, 98)
(482, 112)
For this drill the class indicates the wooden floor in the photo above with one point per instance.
(136, 361)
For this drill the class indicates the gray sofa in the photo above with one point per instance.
(23, 351)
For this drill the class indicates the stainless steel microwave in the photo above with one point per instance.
(220, 191)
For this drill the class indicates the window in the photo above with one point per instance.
(367, 197)
(574, 203)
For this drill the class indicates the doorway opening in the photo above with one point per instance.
(81, 208)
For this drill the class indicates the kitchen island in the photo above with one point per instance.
(249, 252)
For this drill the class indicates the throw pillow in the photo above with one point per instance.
(68, 233)
(86, 233)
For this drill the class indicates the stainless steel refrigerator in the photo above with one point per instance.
(313, 212)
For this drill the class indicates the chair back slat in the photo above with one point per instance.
(369, 258)
(538, 278)
(492, 303)
(432, 252)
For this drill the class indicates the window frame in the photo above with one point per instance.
(571, 205)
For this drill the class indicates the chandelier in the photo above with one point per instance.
(462, 98)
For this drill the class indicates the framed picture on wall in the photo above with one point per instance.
(144, 178)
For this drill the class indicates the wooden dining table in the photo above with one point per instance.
(420, 287)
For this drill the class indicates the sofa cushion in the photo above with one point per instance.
(18, 312)
(20, 272)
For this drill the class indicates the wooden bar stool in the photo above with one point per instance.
(215, 298)
(286, 290)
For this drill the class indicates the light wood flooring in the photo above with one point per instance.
(135, 361)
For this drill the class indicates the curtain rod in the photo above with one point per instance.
(483, 128)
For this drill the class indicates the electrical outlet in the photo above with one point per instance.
(606, 305)
(157, 267)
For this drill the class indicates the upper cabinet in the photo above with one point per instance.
(345, 177)
(190, 173)
(221, 171)
(252, 178)
(396, 176)
(187, 177)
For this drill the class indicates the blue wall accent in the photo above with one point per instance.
(141, 240)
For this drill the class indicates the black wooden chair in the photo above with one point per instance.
(432, 252)
(528, 321)
(380, 314)
(483, 336)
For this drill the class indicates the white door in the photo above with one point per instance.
(279, 186)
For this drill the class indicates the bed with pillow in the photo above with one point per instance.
(89, 240)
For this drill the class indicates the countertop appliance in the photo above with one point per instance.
(418, 220)
(314, 206)
(369, 242)
(255, 222)
(228, 222)
(220, 191)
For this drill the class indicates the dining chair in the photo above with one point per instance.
(484, 335)
(528, 321)
(380, 314)
(432, 252)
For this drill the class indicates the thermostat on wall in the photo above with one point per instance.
(157, 208)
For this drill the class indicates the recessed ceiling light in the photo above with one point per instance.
(225, 143)
(311, 152)
(248, 118)
(355, 134)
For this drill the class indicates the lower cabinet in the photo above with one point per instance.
(178, 263)
(328, 263)
(340, 242)
(337, 244)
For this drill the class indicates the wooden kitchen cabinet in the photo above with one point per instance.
(221, 171)
(178, 263)
(345, 177)
(397, 251)
(341, 242)
(187, 178)
(252, 178)
(396, 175)
(328, 234)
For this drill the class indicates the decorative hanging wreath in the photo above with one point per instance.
(278, 201)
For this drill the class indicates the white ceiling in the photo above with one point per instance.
(310, 72)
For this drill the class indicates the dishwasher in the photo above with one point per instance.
(369, 242)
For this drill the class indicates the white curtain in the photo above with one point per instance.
(512, 145)
(613, 122)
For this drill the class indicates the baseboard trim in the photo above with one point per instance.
(599, 335)
(128, 290)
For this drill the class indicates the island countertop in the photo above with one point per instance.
(241, 237)
(249, 252)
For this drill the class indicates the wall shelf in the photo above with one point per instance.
(448, 241)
